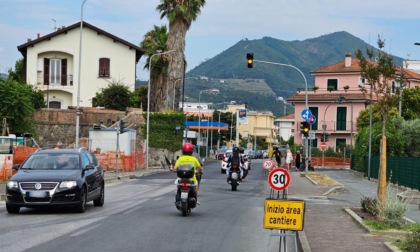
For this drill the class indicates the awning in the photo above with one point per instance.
(207, 125)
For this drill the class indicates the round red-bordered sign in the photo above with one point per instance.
(279, 179)
(267, 164)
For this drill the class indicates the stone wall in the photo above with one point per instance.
(59, 125)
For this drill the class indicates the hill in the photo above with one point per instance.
(261, 85)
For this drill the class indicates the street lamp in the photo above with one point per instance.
(148, 104)
(76, 144)
(370, 131)
(199, 111)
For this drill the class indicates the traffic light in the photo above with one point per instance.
(123, 126)
(250, 59)
(305, 128)
(323, 137)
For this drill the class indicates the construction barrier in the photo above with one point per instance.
(7, 161)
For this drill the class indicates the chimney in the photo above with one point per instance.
(347, 60)
(38, 36)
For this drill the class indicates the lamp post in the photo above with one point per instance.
(199, 111)
(370, 131)
(78, 112)
(324, 126)
(148, 104)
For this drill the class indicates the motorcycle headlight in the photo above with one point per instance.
(12, 184)
(68, 184)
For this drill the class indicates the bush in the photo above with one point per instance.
(412, 241)
(394, 209)
(370, 206)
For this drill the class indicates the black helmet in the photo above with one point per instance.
(235, 149)
(276, 148)
(241, 150)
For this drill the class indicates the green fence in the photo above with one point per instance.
(404, 171)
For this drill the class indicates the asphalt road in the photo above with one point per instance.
(139, 215)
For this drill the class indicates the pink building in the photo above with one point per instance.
(336, 102)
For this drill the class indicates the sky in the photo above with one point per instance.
(220, 25)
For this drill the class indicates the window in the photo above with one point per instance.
(104, 67)
(332, 84)
(362, 80)
(394, 86)
(55, 71)
(314, 111)
(341, 118)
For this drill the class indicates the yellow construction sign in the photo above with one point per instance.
(284, 214)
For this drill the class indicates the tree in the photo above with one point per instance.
(16, 105)
(156, 40)
(139, 98)
(411, 103)
(115, 96)
(364, 116)
(19, 73)
(181, 14)
(379, 75)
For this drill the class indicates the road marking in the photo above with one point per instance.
(85, 230)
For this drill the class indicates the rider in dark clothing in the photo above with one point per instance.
(235, 159)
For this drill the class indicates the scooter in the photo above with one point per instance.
(185, 198)
(234, 177)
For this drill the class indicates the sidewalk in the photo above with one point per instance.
(327, 227)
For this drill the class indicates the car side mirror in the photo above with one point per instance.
(15, 167)
(89, 167)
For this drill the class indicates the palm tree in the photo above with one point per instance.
(153, 41)
(180, 14)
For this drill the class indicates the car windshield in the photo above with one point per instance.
(46, 161)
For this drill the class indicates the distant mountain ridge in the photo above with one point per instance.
(306, 55)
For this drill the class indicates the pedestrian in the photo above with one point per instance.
(277, 155)
(297, 160)
(289, 159)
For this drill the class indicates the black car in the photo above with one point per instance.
(56, 177)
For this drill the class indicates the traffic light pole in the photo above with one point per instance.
(306, 100)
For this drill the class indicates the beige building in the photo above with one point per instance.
(52, 64)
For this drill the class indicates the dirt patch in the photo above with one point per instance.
(322, 179)
(363, 214)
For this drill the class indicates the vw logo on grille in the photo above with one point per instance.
(38, 186)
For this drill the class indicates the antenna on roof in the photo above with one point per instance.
(55, 24)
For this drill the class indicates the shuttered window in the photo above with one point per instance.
(104, 67)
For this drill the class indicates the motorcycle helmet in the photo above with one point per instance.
(187, 148)
(241, 150)
(276, 148)
(235, 149)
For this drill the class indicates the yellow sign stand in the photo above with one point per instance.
(284, 214)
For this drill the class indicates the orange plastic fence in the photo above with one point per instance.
(20, 154)
(126, 163)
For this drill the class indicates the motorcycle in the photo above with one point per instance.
(185, 198)
(234, 177)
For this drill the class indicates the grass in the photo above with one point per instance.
(380, 225)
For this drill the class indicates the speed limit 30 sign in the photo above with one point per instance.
(279, 179)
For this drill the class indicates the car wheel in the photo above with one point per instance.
(101, 199)
(81, 207)
(12, 209)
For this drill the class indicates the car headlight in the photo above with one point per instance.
(12, 184)
(68, 184)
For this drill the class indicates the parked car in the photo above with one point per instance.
(56, 177)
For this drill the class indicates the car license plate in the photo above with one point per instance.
(37, 194)
(184, 195)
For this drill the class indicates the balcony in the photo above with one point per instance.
(55, 81)
(334, 127)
